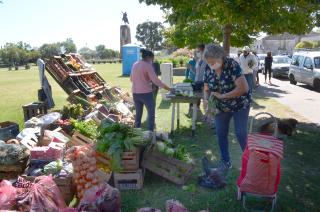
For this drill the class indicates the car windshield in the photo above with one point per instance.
(281, 60)
(317, 62)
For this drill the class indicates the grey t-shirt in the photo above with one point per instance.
(200, 69)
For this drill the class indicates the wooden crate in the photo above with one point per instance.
(169, 168)
(78, 139)
(65, 185)
(34, 109)
(129, 180)
(13, 171)
(130, 160)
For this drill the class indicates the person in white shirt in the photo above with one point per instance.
(238, 57)
(248, 63)
(255, 71)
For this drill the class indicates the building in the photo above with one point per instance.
(282, 44)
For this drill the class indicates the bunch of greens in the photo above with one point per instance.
(86, 128)
(187, 81)
(179, 152)
(115, 138)
(72, 111)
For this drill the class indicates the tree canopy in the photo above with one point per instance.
(103, 53)
(50, 49)
(235, 22)
(150, 34)
(14, 54)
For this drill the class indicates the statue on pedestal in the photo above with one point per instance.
(125, 35)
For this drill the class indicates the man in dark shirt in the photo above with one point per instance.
(268, 67)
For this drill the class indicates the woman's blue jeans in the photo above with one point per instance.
(146, 99)
(222, 121)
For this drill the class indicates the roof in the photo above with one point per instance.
(284, 36)
(309, 53)
(287, 36)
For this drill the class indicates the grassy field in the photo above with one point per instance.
(299, 189)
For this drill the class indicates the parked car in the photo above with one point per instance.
(305, 68)
(280, 66)
(261, 62)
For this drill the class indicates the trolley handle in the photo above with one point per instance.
(265, 113)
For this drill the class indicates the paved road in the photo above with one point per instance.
(300, 98)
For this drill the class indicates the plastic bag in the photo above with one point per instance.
(212, 177)
(32, 132)
(50, 118)
(175, 206)
(43, 196)
(100, 198)
(7, 195)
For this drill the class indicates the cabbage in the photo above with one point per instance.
(161, 146)
(53, 168)
(169, 152)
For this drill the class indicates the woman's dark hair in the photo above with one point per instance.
(201, 46)
(146, 53)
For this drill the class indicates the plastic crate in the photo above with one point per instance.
(8, 130)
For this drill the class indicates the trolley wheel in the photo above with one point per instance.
(239, 195)
(244, 202)
(274, 202)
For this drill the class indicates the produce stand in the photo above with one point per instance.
(76, 151)
(175, 101)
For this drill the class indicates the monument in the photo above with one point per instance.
(125, 35)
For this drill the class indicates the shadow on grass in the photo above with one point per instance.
(164, 104)
(270, 92)
(124, 76)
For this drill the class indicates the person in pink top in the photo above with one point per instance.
(142, 76)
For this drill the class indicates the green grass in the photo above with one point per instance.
(299, 189)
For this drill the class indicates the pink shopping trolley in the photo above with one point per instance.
(260, 173)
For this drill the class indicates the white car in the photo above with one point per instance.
(261, 62)
(305, 68)
(280, 66)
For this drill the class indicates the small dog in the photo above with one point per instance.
(285, 126)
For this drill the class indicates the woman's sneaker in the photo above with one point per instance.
(225, 166)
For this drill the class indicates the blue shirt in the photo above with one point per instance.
(226, 83)
(191, 73)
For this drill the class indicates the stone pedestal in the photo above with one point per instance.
(125, 36)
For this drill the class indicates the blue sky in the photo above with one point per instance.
(88, 23)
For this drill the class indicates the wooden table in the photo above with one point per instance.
(176, 100)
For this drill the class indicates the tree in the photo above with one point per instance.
(18, 54)
(87, 53)
(150, 34)
(308, 44)
(235, 22)
(69, 46)
(50, 50)
(103, 53)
